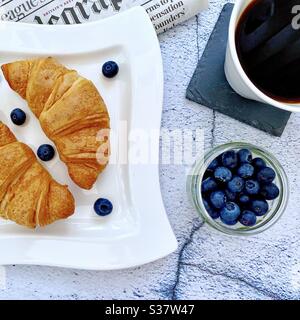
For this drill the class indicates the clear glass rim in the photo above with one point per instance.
(200, 166)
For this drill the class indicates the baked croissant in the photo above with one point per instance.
(71, 113)
(28, 194)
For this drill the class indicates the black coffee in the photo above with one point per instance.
(268, 45)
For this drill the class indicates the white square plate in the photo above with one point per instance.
(138, 230)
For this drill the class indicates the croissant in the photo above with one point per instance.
(71, 113)
(28, 194)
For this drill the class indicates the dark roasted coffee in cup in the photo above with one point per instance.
(268, 45)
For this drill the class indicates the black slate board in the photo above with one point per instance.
(209, 86)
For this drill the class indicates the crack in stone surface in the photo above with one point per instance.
(196, 226)
(267, 293)
(197, 36)
(213, 138)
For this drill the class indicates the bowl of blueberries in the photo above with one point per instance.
(239, 188)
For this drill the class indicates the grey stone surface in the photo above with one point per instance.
(207, 265)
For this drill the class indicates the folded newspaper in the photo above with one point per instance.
(164, 14)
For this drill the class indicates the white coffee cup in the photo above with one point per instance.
(234, 72)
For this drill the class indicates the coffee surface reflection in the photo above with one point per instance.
(268, 45)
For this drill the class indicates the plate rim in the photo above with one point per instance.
(30, 254)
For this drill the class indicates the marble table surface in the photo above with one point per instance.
(207, 264)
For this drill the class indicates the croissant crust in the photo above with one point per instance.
(28, 194)
(71, 112)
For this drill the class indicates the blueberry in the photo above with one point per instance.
(244, 199)
(215, 215)
(219, 159)
(252, 187)
(230, 159)
(231, 196)
(46, 152)
(245, 171)
(245, 156)
(103, 207)
(236, 184)
(208, 184)
(212, 212)
(229, 223)
(213, 165)
(259, 207)
(258, 163)
(110, 69)
(230, 212)
(222, 174)
(269, 191)
(218, 199)
(248, 218)
(18, 116)
(266, 175)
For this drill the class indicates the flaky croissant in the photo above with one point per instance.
(71, 113)
(28, 194)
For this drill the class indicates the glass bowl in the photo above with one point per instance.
(276, 207)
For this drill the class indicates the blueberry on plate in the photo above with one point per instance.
(212, 212)
(230, 213)
(18, 116)
(244, 199)
(208, 184)
(231, 196)
(110, 69)
(269, 191)
(218, 199)
(222, 174)
(266, 175)
(252, 187)
(259, 207)
(245, 171)
(248, 218)
(258, 163)
(103, 207)
(46, 152)
(244, 156)
(229, 159)
(236, 184)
